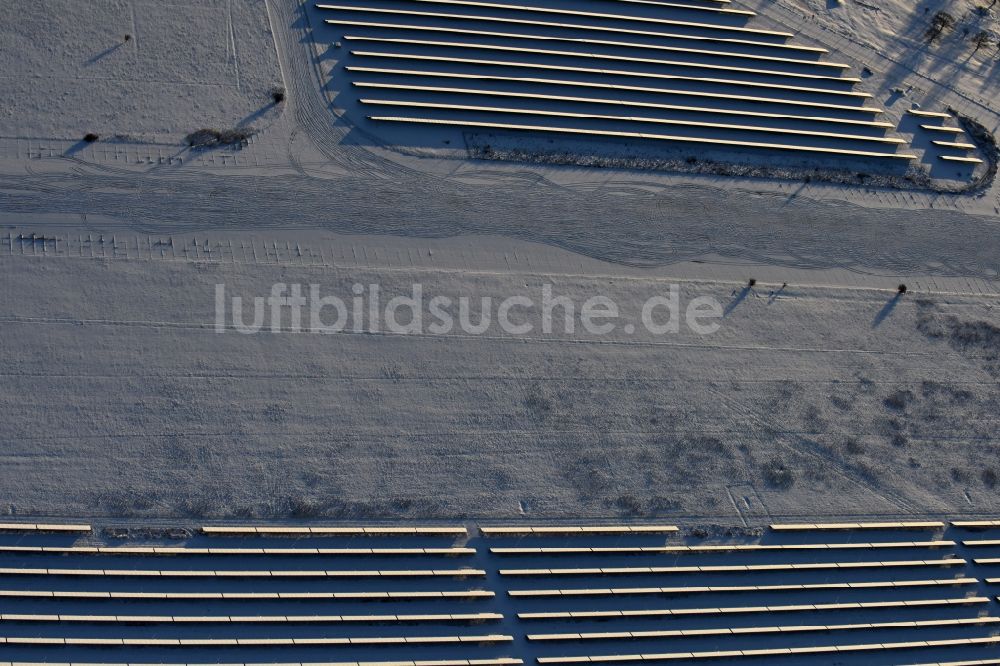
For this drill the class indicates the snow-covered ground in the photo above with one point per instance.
(905, 25)
(145, 70)
(891, 39)
(119, 399)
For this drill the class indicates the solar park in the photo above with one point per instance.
(880, 592)
(689, 76)
(364, 425)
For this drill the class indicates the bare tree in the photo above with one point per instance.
(981, 40)
(941, 22)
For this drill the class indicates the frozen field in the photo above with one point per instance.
(135, 69)
(120, 400)
(814, 401)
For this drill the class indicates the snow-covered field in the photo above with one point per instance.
(891, 38)
(119, 399)
(138, 69)
(119, 393)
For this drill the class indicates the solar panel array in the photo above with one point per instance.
(847, 593)
(692, 74)
(947, 141)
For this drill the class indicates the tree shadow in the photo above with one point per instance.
(796, 192)
(737, 299)
(911, 61)
(775, 295)
(103, 54)
(77, 147)
(258, 114)
(887, 310)
(894, 97)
